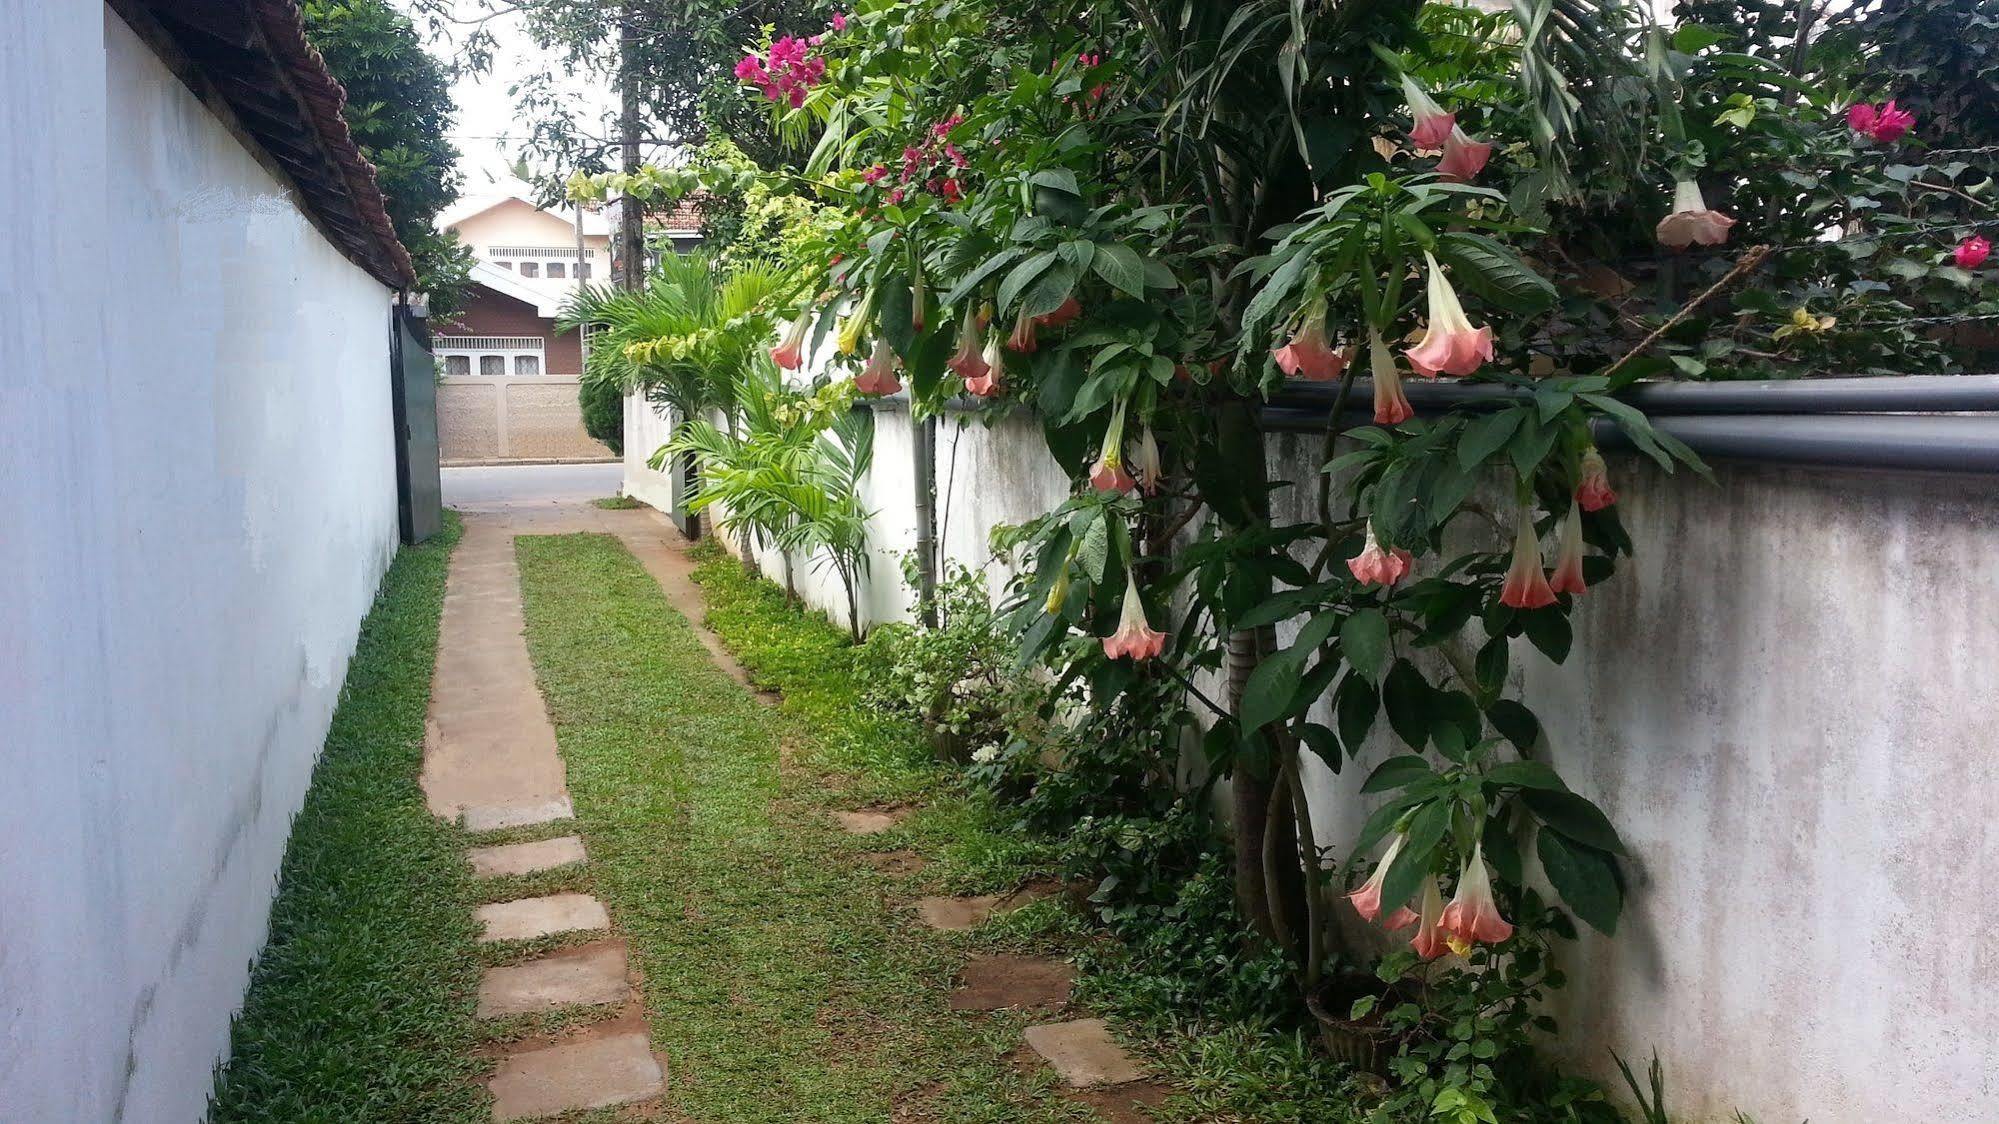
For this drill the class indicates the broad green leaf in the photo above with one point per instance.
(1575, 817)
(1268, 694)
(1426, 830)
(1585, 877)
(1119, 264)
(1525, 774)
(1396, 772)
(1023, 275)
(1407, 698)
(1364, 640)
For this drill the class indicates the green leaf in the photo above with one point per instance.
(1023, 275)
(1364, 640)
(1354, 707)
(1268, 694)
(1493, 272)
(1048, 293)
(977, 276)
(1525, 774)
(1397, 772)
(1094, 549)
(1487, 435)
(1548, 629)
(1503, 851)
(1321, 741)
(1575, 817)
(1426, 830)
(1119, 264)
(1407, 696)
(1515, 723)
(1585, 877)
(1061, 179)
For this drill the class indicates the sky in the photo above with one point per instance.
(487, 134)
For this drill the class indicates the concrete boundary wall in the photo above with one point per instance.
(197, 486)
(1780, 702)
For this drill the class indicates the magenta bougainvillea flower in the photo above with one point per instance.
(966, 362)
(1145, 462)
(1972, 252)
(1377, 566)
(785, 72)
(1472, 914)
(1022, 339)
(1429, 941)
(1367, 900)
(1464, 158)
(790, 351)
(1451, 346)
(1391, 405)
(1431, 126)
(1886, 124)
(878, 377)
(839, 21)
(1135, 638)
(1568, 576)
(1526, 586)
(1594, 491)
(1310, 355)
(1691, 221)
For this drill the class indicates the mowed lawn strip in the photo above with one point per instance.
(781, 981)
(361, 1005)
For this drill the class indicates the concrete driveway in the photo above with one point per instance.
(500, 487)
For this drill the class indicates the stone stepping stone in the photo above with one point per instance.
(896, 862)
(590, 1072)
(869, 821)
(1083, 1053)
(592, 975)
(528, 918)
(994, 983)
(526, 858)
(955, 914)
(493, 817)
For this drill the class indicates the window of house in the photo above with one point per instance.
(527, 364)
(457, 366)
(494, 365)
(583, 270)
(557, 269)
(530, 269)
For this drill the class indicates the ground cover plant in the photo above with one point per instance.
(361, 1005)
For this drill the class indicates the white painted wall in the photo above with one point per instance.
(1781, 703)
(197, 490)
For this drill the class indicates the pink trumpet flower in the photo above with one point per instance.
(1391, 405)
(878, 377)
(1022, 339)
(1367, 900)
(1972, 252)
(1309, 355)
(1068, 310)
(1432, 126)
(1568, 576)
(966, 362)
(991, 381)
(1145, 459)
(1377, 566)
(1134, 638)
(1464, 158)
(1451, 346)
(1429, 941)
(1108, 474)
(1691, 221)
(790, 351)
(1594, 491)
(1526, 586)
(1472, 914)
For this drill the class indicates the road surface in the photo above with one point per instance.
(496, 487)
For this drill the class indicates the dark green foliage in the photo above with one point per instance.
(399, 108)
(603, 405)
(361, 1006)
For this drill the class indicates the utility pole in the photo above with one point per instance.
(631, 231)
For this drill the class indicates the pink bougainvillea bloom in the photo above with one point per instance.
(1568, 576)
(1310, 355)
(1886, 124)
(1066, 311)
(878, 377)
(1472, 914)
(1022, 339)
(1451, 346)
(1432, 126)
(991, 381)
(1391, 405)
(966, 362)
(790, 351)
(1367, 900)
(1377, 566)
(1526, 586)
(1464, 158)
(1691, 221)
(839, 21)
(1134, 638)
(1149, 472)
(1971, 253)
(1429, 941)
(874, 175)
(1594, 491)
(751, 69)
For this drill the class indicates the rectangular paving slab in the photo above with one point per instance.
(994, 983)
(520, 813)
(525, 858)
(591, 1072)
(528, 918)
(1083, 1053)
(562, 979)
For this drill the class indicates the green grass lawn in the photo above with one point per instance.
(782, 980)
(361, 1006)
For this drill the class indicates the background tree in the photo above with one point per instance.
(399, 108)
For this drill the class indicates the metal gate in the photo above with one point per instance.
(413, 376)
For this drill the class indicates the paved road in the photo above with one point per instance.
(494, 487)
